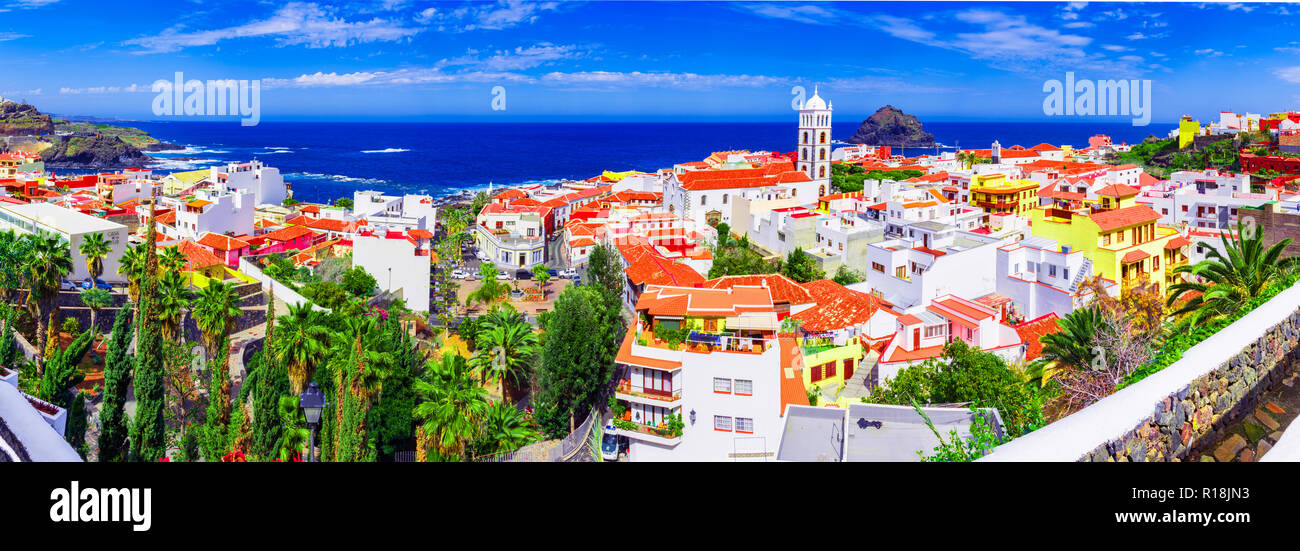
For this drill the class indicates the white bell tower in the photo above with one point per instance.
(814, 141)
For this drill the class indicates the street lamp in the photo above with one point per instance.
(312, 403)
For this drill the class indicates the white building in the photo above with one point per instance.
(398, 262)
(933, 260)
(1039, 277)
(265, 182)
(220, 211)
(726, 386)
(73, 227)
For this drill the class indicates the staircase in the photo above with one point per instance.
(1085, 270)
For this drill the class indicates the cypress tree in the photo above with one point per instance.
(215, 439)
(75, 432)
(148, 434)
(117, 372)
(8, 347)
(266, 397)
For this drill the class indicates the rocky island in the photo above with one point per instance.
(64, 144)
(889, 125)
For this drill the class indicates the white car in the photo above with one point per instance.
(569, 273)
(66, 285)
(503, 277)
(459, 274)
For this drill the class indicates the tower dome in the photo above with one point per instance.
(815, 102)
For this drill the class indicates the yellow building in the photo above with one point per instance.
(1187, 131)
(176, 182)
(997, 194)
(1122, 242)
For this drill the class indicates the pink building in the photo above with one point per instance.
(225, 247)
(287, 239)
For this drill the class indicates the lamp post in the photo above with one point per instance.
(312, 403)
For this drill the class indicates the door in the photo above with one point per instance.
(916, 338)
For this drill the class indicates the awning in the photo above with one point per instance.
(765, 321)
(1135, 256)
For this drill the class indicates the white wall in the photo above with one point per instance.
(394, 265)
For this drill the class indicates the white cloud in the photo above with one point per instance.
(1208, 52)
(106, 89)
(503, 14)
(814, 15)
(1079, 25)
(1115, 48)
(1242, 7)
(7, 36)
(1289, 74)
(294, 24)
(1137, 36)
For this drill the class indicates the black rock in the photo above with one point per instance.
(889, 125)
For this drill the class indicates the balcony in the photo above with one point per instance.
(654, 435)
(701, 342)
(637, 393)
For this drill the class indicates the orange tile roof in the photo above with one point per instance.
(772, 174)
(792, 389)
(1125, 217)
(1033, 330)
(420, 233)
(1178, 242)
(510, 194)
(314, 209)
(626, 357)
(198, 203)
(909, 319)
(1117, 190)
(963, 307)
(222, 242)
(696, 301)
(899, 354)
(1134, 256)
(783, 289)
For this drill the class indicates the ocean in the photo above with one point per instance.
(327, 160)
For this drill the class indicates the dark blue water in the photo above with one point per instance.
(327, 160)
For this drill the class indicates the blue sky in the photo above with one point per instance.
(605, 60)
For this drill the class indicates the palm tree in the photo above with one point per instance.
(505, 352)
(95, 248)
(172, 259)
(542, 275)
(131, 265)
(505, 427)
(967, 158)
(14, 254)
(173, 300)
(451, 405)
(300, 340)
(96, 299)
(491, 290)
(1071, 347)
(214, 310)
(1228, 279)
(50, 261)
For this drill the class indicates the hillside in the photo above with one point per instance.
(78, 145)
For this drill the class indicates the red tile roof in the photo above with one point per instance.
(197, 257)
(1178, 242)
(648, 267)
(783, 289)
(222, 242)
(837, 306)
(288, 234)
(1033, 330)
(681, 301)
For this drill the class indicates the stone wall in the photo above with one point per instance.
(1162, 417)
(1210, 402)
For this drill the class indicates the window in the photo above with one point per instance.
(721, 385)
(744, 424)
(537, 256)
(722, 423)
(724, 198)
(1155, 262)
(878, 267)
(1051, 270)
(704, 200)
(1105, 239)
(1184, 208)
(1065, 273)
(744, 387)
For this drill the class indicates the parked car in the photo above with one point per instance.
(553, 272)
(459, 274)
(613, 446)
(503, 276)
(568, 273)
(523, 274)
(66, 285)
(99, 283)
